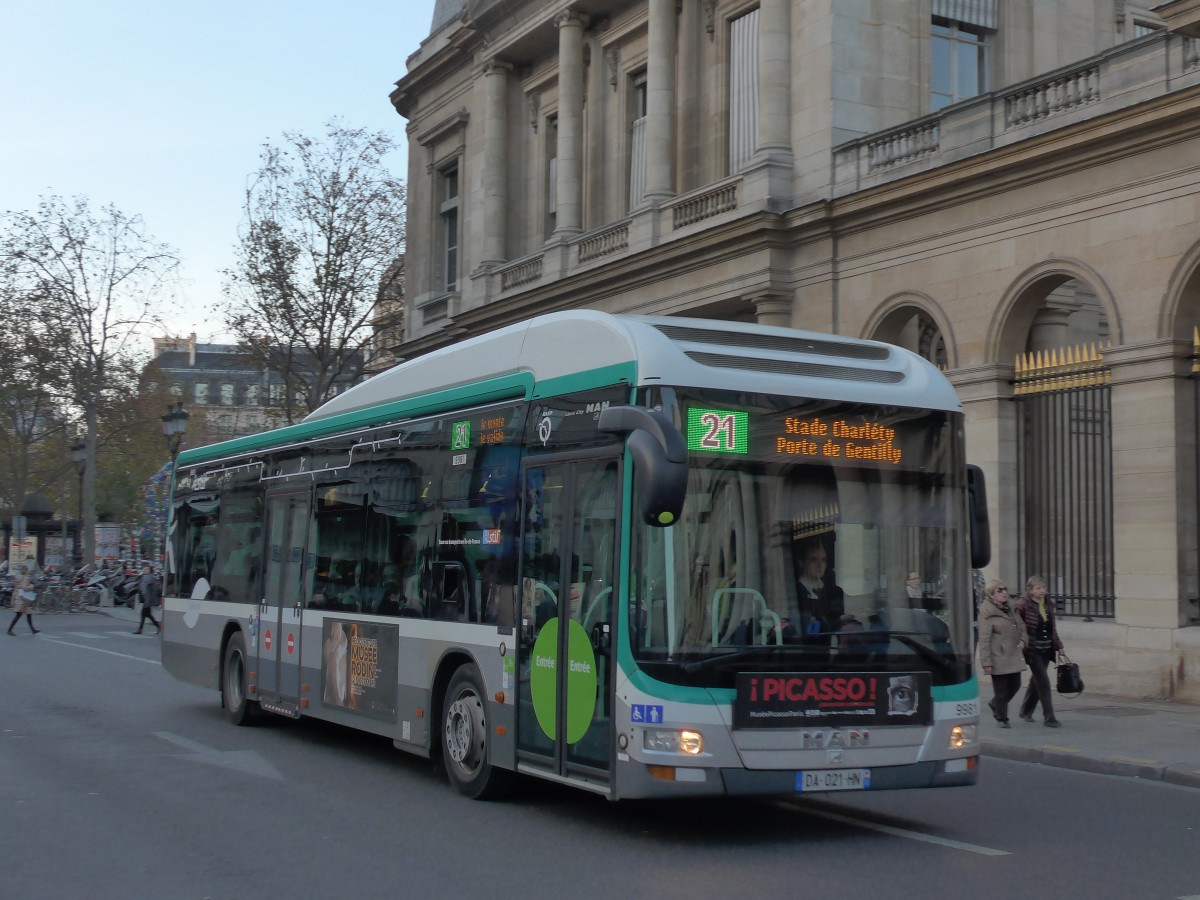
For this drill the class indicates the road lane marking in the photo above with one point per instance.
(894, 831)
(102, 650)
(248, 762)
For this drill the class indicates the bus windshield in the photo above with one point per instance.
(815, 537)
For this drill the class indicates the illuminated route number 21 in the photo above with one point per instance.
(717, 430)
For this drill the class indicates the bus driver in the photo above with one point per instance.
(821, 602)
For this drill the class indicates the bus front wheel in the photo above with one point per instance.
(238, 706)
(465, 737)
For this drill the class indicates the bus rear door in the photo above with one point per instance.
(282, 607)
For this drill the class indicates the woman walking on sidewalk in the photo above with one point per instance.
(1001, 640)
(151, 594)
(22, 599)
(1041, 645)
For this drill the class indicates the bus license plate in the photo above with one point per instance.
(833, 780)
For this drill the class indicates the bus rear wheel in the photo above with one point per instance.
(465, 738)
(240, 709)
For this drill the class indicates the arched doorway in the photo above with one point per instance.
(1064, 447)
(910, 325)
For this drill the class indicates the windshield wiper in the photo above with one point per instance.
(709, 661)
(923, 650)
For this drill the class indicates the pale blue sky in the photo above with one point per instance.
(162, 108)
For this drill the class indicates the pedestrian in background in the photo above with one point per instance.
(151, 593)
(23, 597)
(1041, 645)
(1001, 646)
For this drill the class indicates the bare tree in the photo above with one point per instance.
(323, 222)
(32, 419)
(84, 285)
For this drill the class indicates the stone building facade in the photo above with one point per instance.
(1011, 189)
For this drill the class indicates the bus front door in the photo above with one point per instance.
(282, 606)
(568, 571)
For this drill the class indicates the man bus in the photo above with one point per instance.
(576, 548)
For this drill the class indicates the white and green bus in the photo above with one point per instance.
(648, 557)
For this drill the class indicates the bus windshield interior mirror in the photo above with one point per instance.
(981, 530)
(660, 460)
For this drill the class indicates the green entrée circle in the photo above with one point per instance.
(542, 680)
(581, 680)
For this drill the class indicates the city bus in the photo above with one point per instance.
(643, 556)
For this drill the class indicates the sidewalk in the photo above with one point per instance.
(1158, 740)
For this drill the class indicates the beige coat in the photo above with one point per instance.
(21, 584)
(1001, 638)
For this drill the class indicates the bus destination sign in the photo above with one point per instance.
(816, 436)
(792, 437)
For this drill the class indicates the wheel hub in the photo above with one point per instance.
(464, 732)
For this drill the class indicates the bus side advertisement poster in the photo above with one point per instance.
(805, 699)
(358, 667)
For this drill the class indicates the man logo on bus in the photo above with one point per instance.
(544, 428)
(902, 696)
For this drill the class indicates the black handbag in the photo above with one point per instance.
(1069, 679)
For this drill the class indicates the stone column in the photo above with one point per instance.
(495, 162)
(660, 101)
(772, 308)
(1153, 451)
(1050, 329)
(569, 183)
(774, 79)
(991, 443)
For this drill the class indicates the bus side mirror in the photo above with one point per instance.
(981, 530)
(659, 457)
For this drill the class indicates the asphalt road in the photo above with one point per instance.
(117, 781)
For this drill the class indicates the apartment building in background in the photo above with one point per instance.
(235, 396)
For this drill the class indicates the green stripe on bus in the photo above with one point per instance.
(514, 387)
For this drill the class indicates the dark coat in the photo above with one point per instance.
(1027, 608)
(150, 590)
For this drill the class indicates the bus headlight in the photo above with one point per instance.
(665, 740)
(961, 736)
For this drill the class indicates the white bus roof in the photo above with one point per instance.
(703, 353)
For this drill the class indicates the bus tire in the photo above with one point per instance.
(240, 709)
(465, 738)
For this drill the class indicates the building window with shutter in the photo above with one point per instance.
(448, 213)
(743, 90)
(959, 39)
(551, 174)
(637, 139)
(958, 64)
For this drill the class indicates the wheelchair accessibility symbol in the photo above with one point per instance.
(650, 715)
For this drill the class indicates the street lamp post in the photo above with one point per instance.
(79, 459)
(174, 426)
